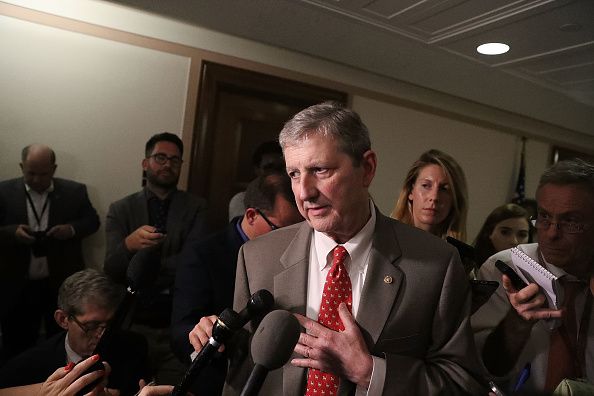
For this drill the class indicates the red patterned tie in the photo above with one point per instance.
(336, 290)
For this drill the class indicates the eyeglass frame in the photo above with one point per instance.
(267, 220)
(568, 227)
(162, 159)
(102, 326)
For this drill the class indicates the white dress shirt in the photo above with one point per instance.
(38, 268)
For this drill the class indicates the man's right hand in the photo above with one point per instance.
(202, 332)
(529, 303)
(24, 234)
(143, 237)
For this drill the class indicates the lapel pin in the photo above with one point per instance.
(388, 279)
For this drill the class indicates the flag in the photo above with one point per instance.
(520, 193)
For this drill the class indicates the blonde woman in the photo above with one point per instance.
(434, 196)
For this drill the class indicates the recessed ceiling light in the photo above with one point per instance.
(492, 48)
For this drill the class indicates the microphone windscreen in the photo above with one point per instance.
(275, 339)
(143, 268)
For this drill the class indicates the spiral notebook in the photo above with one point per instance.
(533, 272)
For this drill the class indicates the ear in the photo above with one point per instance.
(144, 163)
(369, 164)
(61, 318)
(250, 214)
(54, 168)
(21, 165)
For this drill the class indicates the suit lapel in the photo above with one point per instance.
(382, 282)
(290, 290)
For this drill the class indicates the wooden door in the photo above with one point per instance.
(237, 111)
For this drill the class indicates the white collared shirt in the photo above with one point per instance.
(71, 356)
(38, 268)
(358, 247)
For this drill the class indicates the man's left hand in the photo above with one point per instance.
(342, 353)
(61, 232)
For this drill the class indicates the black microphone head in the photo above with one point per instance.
(260, 302)
(275, 339)
(143, 268)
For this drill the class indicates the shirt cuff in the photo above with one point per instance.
(378, 377)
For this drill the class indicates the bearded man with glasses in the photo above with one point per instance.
(148, 227)
(515, 330)
(87, 301)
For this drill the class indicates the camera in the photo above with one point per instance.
(41, 244)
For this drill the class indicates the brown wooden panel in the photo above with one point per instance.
(237, 111)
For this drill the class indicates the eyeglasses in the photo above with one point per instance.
(91, 327)
(267, 220)
(568, 227)
(162, 159)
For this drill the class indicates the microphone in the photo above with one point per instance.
(227, 323)
(143, 269)
(272, 346)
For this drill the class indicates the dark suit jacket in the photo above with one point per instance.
(69, 204)
(126, 353)
(185, 221)
(204, 286)
(419, 322)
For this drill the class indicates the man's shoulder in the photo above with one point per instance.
(67, 183)
(10, 183)
(128, 199)
(188, 198)
(409, 237)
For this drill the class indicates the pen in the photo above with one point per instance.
(524, 375)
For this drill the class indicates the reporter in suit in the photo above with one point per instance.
(32, 269)
(409, 329)
(156, 222)
(205, 277)
(87, 302)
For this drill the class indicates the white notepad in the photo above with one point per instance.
(533, 272)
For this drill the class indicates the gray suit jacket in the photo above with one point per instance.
(419, 322)
(184, 220)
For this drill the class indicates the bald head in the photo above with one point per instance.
(38, 166)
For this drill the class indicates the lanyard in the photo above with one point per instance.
(40, 216)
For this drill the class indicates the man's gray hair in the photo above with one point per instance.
(329, 119)
(574, 171)
(89, 287)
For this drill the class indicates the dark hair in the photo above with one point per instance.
(262, 191)
(163, 137)
(25, 153)
(88, 286)
(574, 171)
(269, 147)
(455, 224)
(482, 244)
(330, 119)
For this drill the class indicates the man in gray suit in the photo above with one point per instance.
(148, 229)
(408, 332)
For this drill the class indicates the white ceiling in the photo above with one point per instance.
(548, 74)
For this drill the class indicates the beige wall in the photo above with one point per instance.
(96, 98)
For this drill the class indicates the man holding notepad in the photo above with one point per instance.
(528, 338)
